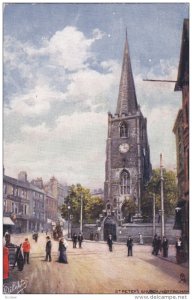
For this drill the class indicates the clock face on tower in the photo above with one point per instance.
(123, 148)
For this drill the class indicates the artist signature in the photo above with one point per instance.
(15, 287)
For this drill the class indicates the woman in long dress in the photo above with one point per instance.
(62, 251)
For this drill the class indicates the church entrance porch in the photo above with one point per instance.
(110, 228)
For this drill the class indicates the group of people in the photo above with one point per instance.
(21, 254)
(159, 245)
(77, 238)
(62, 250)
(13, 254)
(129, 244)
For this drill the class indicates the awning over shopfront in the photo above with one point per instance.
(8, 221)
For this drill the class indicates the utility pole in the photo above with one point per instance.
(162, 200)
(81, 215)
(154, 227)
(68, 209)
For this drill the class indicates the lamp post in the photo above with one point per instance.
(154, 229)
(162, 199)
(68, 209)
(81, 214)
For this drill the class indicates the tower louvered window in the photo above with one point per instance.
(125, 182)
(123, 130)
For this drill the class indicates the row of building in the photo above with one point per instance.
(181, 131)
(32, 206)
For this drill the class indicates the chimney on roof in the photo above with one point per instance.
(22, 176)
(38, 182)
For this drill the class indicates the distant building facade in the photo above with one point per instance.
(51, 209)
(24, 203)
(98, 193)
(57, 190)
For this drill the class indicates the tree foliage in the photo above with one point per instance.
(92, 206)
(128, 209)
(154, 187)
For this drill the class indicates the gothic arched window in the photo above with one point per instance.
(125, 182)
(123, 130)
(115, 202)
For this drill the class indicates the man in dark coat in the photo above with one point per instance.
(19, 258)
(130, 246)
(48, 249)
(80, 239)
(165, 246)
(74, 240)
(110, 242)
(158, 249)
(154, 245)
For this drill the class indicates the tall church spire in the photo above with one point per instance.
(127, 101)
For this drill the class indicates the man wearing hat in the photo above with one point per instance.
(48, 249)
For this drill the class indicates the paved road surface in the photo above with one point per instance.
(95, 270)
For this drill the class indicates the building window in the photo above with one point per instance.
(123, 130)
(15, 191)
(4, 188)
(108, 206)
(25, 211)
(125, 182)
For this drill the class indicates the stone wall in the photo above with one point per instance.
(91, 231)
(147, 232)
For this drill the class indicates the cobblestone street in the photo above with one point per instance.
(93, 269)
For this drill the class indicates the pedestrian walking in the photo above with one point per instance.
(48, 249)
(110, 242)
(165, 246)
(62, 251)
(130, 246)
(154, 245)
(74, 238)
(19, 258)
(80, 239)
(158, 249)
(35, 236)
(26, 250)
(5, 263)
(179, 249)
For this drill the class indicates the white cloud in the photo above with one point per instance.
(75, 148)
(44, 79)
(34, 102)
(91, 87)
(68, 48)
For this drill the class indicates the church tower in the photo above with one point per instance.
(128, 166)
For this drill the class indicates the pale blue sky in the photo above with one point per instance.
(62, 67)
